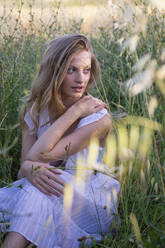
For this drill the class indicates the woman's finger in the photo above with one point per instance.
(52, 184)
(42, 189)
(55, 171)
(99, 108)
(55, 178)
(47, 188)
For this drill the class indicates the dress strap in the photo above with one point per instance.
(29, 123)
(44, 122)
(92, 118)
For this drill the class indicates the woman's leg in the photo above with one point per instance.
(14, 240)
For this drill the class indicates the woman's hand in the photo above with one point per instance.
(89, 105)
(43, 176)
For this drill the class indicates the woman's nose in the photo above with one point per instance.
(79, 77)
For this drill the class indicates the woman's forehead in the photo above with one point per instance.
(82, 58)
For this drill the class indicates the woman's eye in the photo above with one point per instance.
(87, 70)
(71, 70)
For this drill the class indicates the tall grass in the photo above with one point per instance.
(131, 52)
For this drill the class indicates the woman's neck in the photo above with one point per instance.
(68, 102)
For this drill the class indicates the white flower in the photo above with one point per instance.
(139, 66)
(141, 80)
(131, 42)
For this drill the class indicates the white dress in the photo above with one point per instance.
(44, 220)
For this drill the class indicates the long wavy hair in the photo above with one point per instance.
(46, 87)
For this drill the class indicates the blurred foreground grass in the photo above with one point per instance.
(130, 47)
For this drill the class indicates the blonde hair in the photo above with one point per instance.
(46, 87)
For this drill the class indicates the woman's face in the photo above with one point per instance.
(76, 78)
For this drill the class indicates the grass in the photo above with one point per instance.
(66, 3)
(139, 143)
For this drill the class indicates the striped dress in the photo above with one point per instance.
(57, 222)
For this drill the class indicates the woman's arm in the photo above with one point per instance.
(85, 106)
(40, 174)
(27, 142)
(52, 135)
(78, 140)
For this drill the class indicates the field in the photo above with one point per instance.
(128, 38)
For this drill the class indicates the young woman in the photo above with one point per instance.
(58, 123)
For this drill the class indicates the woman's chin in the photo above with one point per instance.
(70, 100)
(77, 96)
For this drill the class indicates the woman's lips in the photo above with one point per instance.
(77, 89)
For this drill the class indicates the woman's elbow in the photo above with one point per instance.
(106, 125)
(108, 122)
(32, 156)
